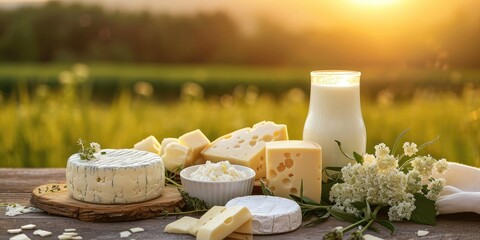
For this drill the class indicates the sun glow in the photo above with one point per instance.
(374, 2)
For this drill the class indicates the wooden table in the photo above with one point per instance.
(16, 186)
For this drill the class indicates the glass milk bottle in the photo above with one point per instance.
(335, 114)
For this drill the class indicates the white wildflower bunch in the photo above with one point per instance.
(87, 152)
(386, 180)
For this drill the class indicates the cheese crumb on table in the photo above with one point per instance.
(422, 233)
(29, 226)
(371, 237)
(20, 237)
(217, 172)
(18, 230)
(136, 229)
(17, 209)
(42, 233)
(125, 234)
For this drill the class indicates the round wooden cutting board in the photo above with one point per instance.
(55, 199)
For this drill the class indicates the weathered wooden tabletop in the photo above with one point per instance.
(16, 186)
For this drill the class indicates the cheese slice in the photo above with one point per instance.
(246, 146)
(196, 141)
(175, 155)
(149, 144)
(211, 213)
(239, 236)
(181, 226)
(270, 215)
(291, 162)
(116, 176)
(190, 225)
(224, 223)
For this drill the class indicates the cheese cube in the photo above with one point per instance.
(181, 226)
(165, 143)
(149, 144)
(175, 156)
(196, 141)
(290, 162)
(211, 213)
(224, 223)
(246, 146)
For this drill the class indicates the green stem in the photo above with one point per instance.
(372, 219)
(354, 225)
(173, 182)
(310, 206)
(405, 163)
(187, 212)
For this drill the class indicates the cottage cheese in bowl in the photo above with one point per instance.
(217, 183)
(218, 172)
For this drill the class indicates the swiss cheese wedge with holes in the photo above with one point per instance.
(291, 162)
(246, 146)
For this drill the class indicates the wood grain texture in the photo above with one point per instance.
(59, 202)
(453, 226)
(24, 180)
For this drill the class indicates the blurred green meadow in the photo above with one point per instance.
(45, 108)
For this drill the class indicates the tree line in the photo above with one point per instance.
(75, 32)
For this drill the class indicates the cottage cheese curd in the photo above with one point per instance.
(218, 172)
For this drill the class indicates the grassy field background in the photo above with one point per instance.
(44, 109)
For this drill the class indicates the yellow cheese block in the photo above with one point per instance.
(174, 156)
(246, 146)
(181, 226)
(165, 143)
(149, 144)
(196, 141)
(224, 223)
(288, 162)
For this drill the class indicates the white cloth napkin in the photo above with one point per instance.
(462, 190)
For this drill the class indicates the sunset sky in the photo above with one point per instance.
(374, 14)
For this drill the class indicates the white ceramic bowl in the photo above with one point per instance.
(217, 193)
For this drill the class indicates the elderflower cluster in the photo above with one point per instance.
(88, 152)
(380, 181)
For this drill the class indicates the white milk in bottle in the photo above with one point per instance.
(335, 114)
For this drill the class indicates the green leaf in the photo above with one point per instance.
(347, 217)
(397, 141)
(341, 150)
(320, 219)
(387, 224)
(425, 211)
(358, 157)
(428, 143)
(359, 205)
(265, 190)
(301, 188)
(336, 169)
(326, 187)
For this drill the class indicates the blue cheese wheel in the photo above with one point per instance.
(271, 215)
(116, 176)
